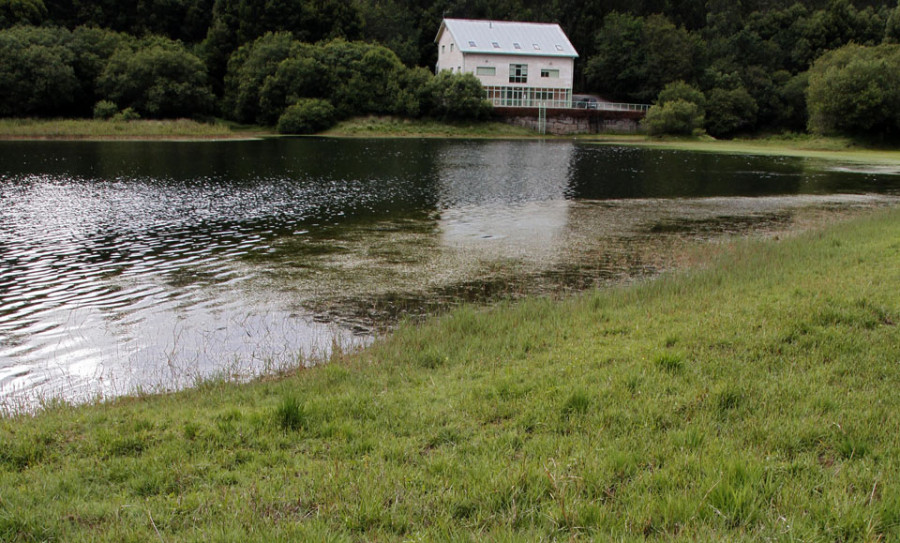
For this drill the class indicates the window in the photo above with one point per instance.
(472, 43)
(545, 72)
(496, 45)
(516, 45)
(485, 70)
(451, 47)
(442, 49)
(536, 47)
(518, 73)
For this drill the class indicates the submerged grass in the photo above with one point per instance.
(91, 129)
(750, 399)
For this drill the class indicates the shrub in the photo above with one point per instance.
(456, 96)
(307, 116)
(127, 114)
(678, 117)
(104, 110)
(679, 90)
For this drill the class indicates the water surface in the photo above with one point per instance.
(134, 265)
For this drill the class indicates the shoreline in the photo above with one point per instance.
(181, 130)
(734, 397)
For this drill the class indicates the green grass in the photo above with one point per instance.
(753, 398)
(132, 130)
(798, 145)
(367, 127)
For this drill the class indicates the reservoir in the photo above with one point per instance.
(147, 266)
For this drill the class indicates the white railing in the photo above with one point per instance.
(611, 106)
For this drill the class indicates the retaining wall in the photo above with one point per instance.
(573, 121)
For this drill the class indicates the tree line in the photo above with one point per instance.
(756, 65)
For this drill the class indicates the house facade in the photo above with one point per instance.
(519, 64)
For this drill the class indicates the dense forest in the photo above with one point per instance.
(726, 66)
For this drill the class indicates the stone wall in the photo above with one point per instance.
(573, 121)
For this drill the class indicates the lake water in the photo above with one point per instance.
(131, 266)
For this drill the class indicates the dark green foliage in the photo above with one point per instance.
(679, 90)
(629, 51)
(677, 117)
(104, 109)
(158, 78)
(855, 90)
(636, 57)
(307, 116)
(729, 111)
(127, 114)
(456, 96)
(273, 72)
(14, 12)
(37, 76)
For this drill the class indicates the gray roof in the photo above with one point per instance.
(509, 38)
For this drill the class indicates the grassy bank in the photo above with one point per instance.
(395, 127)
(89, 129)
(818, 147)
(753, 398)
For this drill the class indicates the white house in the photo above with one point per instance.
(519, 64)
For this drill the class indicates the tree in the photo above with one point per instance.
(13, 12)
(729, 111)
(36, 72)
(159, 79)
(855, 90)
(636, 57)
(248, 69)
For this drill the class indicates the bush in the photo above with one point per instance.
(127, 114)
(307, 116)
(104, 110)
(456, 96)
(678, 117)
(679, 90)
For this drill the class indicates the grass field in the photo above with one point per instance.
(423, 128)
(89, 129)
(752, 398)
(828, 148)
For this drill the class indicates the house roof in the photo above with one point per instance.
(508, 38)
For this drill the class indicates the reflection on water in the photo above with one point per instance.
(145, 265)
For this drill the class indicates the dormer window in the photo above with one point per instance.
(471, 43)
(559, 47)
(496, 45)
(537, 47)
(517, 46)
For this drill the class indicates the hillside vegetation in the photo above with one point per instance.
(758, 66)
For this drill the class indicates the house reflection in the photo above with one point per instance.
(505, 199)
